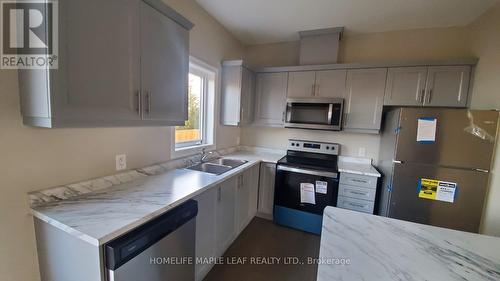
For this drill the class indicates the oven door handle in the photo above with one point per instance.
(307, 172)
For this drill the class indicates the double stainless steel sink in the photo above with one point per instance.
(217, 166)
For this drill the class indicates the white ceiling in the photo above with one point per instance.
(267, 21)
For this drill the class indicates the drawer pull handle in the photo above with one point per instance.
(356, 205)
(356, 180)
(358, 192)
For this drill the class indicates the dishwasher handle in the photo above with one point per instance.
(129, 245)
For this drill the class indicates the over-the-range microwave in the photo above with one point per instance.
(314, 113)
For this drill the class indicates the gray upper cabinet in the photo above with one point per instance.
(405, 86)
(330, 83)
(164, 67)
(270, 100)
(321, 84)
(238, 91)
(443, 86)
(301, 84)
(447, 86)
(120, 61)
(94, 84)
(364, 99)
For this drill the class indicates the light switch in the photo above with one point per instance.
(121, 162)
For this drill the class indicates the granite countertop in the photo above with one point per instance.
(103, 215)
(359, 166)
(357, 246)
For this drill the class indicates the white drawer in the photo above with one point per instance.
(358, 180)
(355, 204)
(357, 192)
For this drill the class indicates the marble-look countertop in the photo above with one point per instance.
(359, 166)
(103, 215)
(360, 246)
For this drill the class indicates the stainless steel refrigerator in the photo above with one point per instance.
(451, 147)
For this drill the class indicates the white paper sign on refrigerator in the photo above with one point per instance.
(426, 129)
(307, 193)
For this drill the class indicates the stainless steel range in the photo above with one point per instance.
(306, 182)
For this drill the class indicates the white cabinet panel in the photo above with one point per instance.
(206, 230)
(242, 202)
(94, 83)
(331, 83)
(405, 86)
(247, 96)
(301, 84)
(364, 99)
(447, 86)
(253, 182)
(226, 209)
(270, 99)
(355, 204)
(164, 67)
(247, 197)
(266, 189)
(238, 90)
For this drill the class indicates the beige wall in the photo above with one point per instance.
(481, 39)
(277, 138)
(277, 54)
(38, 158)
(418, 44)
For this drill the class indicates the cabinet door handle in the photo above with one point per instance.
(219, 195)
(312, 90)
(421, 96)
(429, 97)
(138, 102)
(148, 102)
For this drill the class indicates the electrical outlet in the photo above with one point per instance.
(121, 162)
(362, 152)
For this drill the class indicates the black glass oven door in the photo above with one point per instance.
(288, 189)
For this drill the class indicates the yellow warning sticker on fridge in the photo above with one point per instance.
(437, 190)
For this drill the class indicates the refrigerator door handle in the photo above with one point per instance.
(482, 170)
(397, 162)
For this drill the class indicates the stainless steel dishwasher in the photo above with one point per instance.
(162, 249)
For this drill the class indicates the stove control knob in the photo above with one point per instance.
(293, 144)
(327, 147)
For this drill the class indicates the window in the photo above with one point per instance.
(198, 129)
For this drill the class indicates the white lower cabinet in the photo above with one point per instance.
(225, 217)
(223, 212)
(205, 231)
(266, 190)
(357, 192)
(246, 202)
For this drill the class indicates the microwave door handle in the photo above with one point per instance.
(330, 113)
(286, 112)
(307, 172)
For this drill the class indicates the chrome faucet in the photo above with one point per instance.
(204, 156)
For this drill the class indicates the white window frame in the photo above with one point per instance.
(211, 75)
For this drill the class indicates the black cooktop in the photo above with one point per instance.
(312, 161)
